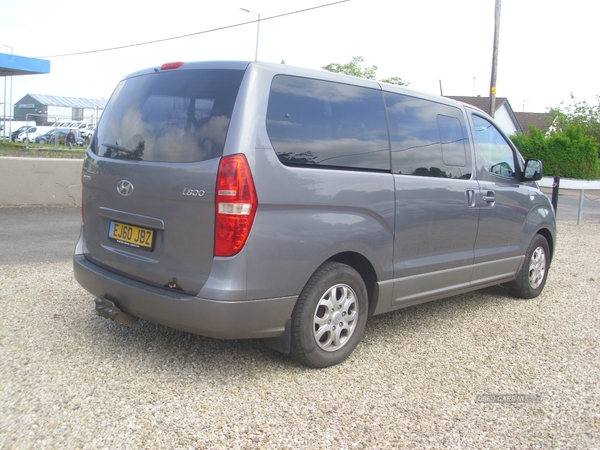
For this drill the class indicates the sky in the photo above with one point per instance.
(547, 48)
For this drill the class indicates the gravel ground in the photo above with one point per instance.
(481, 370)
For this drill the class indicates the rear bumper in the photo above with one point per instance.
(249, 319)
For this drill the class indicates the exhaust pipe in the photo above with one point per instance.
(107, 309)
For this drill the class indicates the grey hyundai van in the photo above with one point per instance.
(254, 200)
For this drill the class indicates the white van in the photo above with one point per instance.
(33, 132)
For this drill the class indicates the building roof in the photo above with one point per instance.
(71, 102)
(541, 120)
(482, 103)
(20, 65)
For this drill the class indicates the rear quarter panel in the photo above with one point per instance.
(306, 216)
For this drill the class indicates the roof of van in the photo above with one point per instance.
(300, 71)
(234, 65)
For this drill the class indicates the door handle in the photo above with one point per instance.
(489, 197)
(470, 198)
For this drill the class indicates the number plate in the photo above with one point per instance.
(131, 235)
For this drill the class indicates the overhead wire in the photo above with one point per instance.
(196, 33)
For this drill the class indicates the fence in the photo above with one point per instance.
(566, 183)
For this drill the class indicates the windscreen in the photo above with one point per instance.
(170, 116)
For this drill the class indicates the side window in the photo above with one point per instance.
(318, 123)
(428, 138)
(496, 154)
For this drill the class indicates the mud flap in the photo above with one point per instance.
(283, 342)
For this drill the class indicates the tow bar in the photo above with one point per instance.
(107, 309)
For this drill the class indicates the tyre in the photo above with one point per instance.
(531, 278)
(329, 317)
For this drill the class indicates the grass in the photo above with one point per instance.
(40, 151)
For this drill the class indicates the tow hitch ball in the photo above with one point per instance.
(107, 309)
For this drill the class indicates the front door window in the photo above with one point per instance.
(496, 154)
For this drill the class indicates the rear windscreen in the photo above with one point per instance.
(178, 116)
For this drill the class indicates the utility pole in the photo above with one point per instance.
(495, 58)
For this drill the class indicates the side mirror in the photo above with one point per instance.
(533, 170)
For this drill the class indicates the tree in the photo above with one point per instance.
(567, 152)
(572, 148)
(579, 113)
(395, 80)
(355, 69)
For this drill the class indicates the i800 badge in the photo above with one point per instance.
(124, 187)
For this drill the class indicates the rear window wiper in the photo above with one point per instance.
(117, 151)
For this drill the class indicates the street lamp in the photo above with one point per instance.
(257, 31)
(11, 103)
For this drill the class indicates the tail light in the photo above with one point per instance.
(236, 205)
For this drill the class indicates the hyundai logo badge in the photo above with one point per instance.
(125, 187)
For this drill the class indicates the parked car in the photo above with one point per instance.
(256, 200)
(32, 133)
(59, 135)
(15, 134)
(87, 133)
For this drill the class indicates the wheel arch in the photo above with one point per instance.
(550, 240)
(365, 269)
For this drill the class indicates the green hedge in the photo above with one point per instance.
(567, 153)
